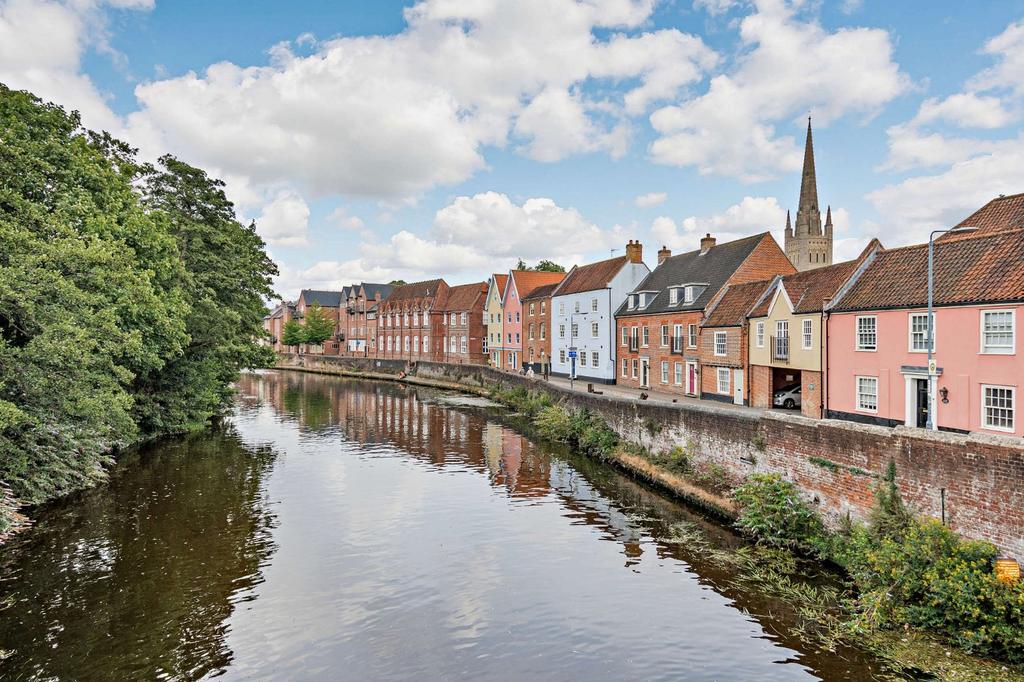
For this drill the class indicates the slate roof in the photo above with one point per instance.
(713, 268)
(981, 269)
(590, 277)
(732, 308)
(528, 280)
(326, 299)
(425, 289)
(543, 291)
(999, 215)
(281, 307)
(370, 290)
(464, 296)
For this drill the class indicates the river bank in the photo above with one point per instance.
(912, 650)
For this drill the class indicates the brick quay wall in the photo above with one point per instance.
(975, 481)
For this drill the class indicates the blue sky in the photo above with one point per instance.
(373, 140)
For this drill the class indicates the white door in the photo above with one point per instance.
(737, 383)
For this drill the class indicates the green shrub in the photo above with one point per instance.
(676, 460)
(554, 423)
(772, 512)
(928, 576)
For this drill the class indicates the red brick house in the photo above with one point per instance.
(660, 320)
(464, 332)
(409, 321)
(537, 328)
(724, 348)
(274, 323)
(354, 329)
(331, 305)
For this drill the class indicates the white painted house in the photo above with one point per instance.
(582, 315)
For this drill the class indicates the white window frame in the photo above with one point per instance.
(910, 332)
(646, 337)
(625, 336)
(727, 373)
(583, 358)
(677, 333)
(561, 355)
(1012, 349)
(760, 334)
(664, 336)
(593, 305)
(463, 345)
(721, 340)
(858, 346)
(691, 336)
(636, 368)
(595, 358)
(625, 367)
(806, 334)
(561, 331)
(857, 394)
(673, 296)
(595, 330)
(543, 331)
(688, 294)
(678, 372)
(1013, 408)
(664, 371)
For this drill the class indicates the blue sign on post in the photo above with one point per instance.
(572, 354)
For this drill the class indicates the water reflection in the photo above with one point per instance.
(353, 530)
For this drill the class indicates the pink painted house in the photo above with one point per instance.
(877, 338)
(520, 283)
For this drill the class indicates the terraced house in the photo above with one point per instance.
(495, 319)
(355, 335)
(660, 320)
(583, 315)
(878, 338)
(537, 341)
(723, 352)
(330, 303)
(463, 327)
(409, 322)
(786, 343)
(274, 323)
(520, 283)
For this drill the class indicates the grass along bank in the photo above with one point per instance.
(909, 589)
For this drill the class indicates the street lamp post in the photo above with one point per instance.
(931, 424)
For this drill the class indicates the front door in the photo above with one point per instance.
(645, 370)
(737, 384)
(691, 378)
(922, 403)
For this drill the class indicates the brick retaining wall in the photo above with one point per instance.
(834, 462)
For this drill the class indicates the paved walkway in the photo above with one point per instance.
(614, 390)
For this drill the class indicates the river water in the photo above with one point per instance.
(348, 530)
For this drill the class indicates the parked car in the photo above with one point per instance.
(787, 397)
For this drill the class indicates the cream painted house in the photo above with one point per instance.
(786, 345)
(493, 319)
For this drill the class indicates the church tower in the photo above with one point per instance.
(807, 246)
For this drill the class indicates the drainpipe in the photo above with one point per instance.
(824, 363)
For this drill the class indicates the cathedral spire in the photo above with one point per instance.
(808, 217)
(789, 226)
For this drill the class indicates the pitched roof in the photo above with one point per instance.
(999, 215)
(590, 277)
(326, 299)
(732, 308)
(981, 269)
(713, 268)
(543, 291)
(423, 289)
(499, 282)
(464, 296)
(528, 280)
(370, 290)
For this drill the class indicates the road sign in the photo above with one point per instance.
(572, 354)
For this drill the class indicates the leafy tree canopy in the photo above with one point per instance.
(293, 333)
(317, 327)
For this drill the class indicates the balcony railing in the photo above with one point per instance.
(677, 345)
(634, 343)
(780, 348)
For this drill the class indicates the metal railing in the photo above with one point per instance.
(780, 348)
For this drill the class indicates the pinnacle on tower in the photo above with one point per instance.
(808, 217)
(789, 225)
(828, 221)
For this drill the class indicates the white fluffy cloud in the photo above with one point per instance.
(749, 216)
(967, 171)
(392, 116)
(786, 67)
(284, 221)
(651, 199)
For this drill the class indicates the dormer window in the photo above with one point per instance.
(688, 294)
(632, 301)
(673, 296)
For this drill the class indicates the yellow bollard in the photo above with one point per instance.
(1007, 570)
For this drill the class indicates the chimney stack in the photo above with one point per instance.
(663, 254)
(634, 251)
(706, 242)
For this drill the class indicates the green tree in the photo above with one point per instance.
(90, 298)
(549, 266)
(293, 333)
(318, 327)
(227, 277)
(397, 282)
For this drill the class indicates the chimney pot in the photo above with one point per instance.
(663, 254)
(706, 242)
(634, 251)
